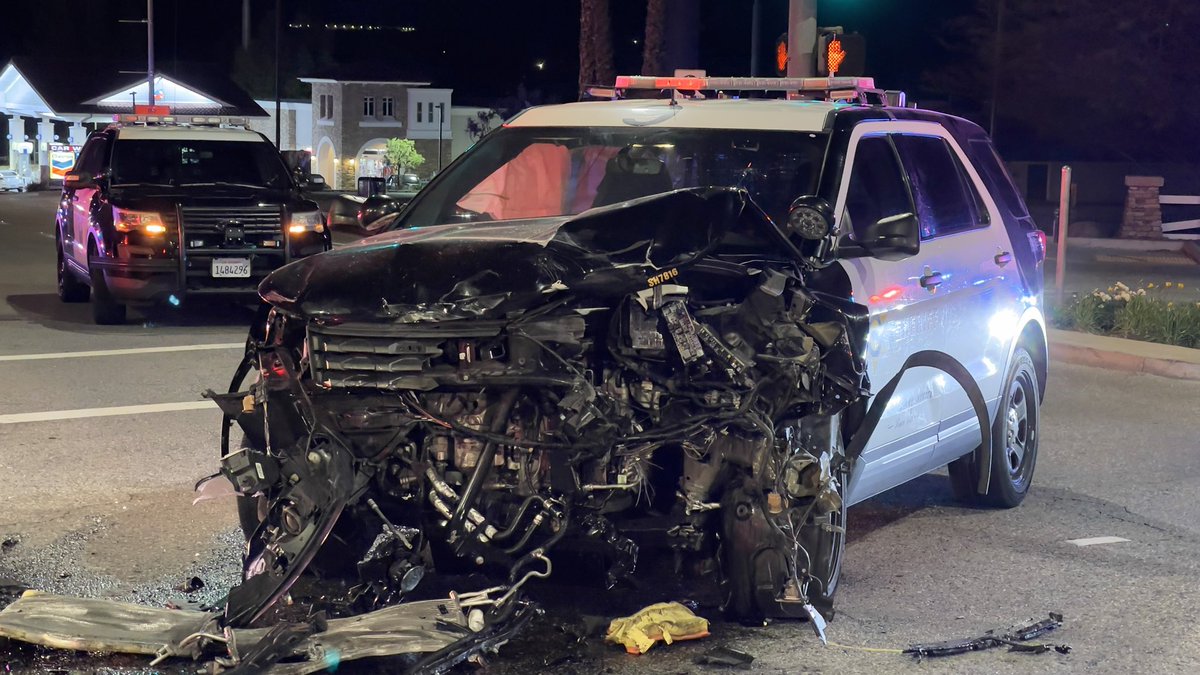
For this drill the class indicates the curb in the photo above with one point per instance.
(1123, 361)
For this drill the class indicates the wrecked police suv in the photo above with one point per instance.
(714, 324)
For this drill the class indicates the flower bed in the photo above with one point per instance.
(1135, 314)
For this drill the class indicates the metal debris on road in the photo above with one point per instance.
(1017, 639)
(438, 629)
(725, 656)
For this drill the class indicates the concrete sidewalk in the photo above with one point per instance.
(1132, 356)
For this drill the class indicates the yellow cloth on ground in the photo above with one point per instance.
(666, 621)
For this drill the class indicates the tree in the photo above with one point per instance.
(595, 44)
(481, 123)
(654, 47)
(402, 154)
(1109, 79)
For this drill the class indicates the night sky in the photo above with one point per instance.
(482, 49)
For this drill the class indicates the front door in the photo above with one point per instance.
(79, 201)
(903, 317)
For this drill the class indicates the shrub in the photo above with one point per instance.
(1127, 313)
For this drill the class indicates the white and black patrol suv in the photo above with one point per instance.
(160, 212)
(711, 322)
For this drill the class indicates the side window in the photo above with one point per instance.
(91, 158)
(877, 188)
(946, 201)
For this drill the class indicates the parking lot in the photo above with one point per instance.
(103, 433)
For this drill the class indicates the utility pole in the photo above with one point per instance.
(149, 21)
(755, 29)
(150, 49)
(245, 24)
(278, 30)
(441, 121)
(802, 37)
(996, 53)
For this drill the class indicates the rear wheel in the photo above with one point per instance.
(1014, 443)
(70, 288)
(106, 311)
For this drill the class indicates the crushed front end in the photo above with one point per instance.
(480, 394)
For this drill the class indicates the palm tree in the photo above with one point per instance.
(653, 51)
(595, 44)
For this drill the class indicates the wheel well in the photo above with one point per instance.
(1034, 341)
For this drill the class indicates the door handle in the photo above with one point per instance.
(1003, 258)
(931, 280)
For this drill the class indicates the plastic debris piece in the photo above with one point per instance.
(725, 656)
(1015, 638)
(665, 621)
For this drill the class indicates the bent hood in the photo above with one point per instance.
(498, 269)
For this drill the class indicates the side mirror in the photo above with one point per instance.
(77, 180)
(892, 238)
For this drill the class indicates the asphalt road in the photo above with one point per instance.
(102, 505)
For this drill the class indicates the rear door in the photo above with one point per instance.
(902, 316)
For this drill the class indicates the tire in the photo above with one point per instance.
(753, 570)
(70, 288)
(1015, 435)
(106, 311)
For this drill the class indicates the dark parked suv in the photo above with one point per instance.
(156, 213)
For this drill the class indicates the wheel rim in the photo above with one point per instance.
(1020, 430)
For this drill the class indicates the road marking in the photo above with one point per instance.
(1091, 541)
(54, 415)
(120, 352)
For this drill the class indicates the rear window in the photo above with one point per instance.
(946, 201)
(991, 168)
(197, 162)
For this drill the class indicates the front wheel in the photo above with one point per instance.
(106, 311)
(1014, 442)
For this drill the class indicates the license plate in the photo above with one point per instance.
(225, 268)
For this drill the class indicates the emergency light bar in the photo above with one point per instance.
(197, 120)
(854, 84)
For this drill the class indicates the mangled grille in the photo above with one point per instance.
(340, 360)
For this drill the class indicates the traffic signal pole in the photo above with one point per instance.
(802, 38)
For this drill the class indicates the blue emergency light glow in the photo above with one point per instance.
(173, 300)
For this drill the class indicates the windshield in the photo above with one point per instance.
(186, 162)
(558, 171)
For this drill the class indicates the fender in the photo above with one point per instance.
(947, 364)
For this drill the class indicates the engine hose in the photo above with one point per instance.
(512, 528)
(486, 457)
(533, 526)
(440, 487)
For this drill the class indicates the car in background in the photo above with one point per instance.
(158, 213)
(11, 181)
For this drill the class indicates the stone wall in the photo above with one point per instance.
(1142, 218)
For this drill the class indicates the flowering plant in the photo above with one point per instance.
(1133, 313)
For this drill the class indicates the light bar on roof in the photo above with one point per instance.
(746, 83)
